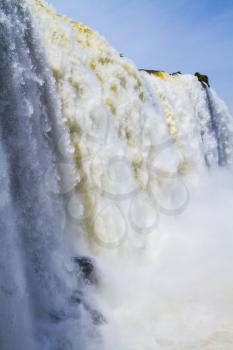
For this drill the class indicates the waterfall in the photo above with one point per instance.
(36, 280)
(112, 187)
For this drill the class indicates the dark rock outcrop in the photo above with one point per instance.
(87, 269)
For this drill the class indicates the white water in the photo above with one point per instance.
(131, 168)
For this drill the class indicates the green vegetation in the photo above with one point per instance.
(204, 80)
(152, 71)
(176, 73)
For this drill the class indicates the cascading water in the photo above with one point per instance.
(36, 284)
(99, 159)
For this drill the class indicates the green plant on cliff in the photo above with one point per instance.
(176, 73)
(204, 80)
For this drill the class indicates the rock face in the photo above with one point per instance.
(87, 273)
(87, 269)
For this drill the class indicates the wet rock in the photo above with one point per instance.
(96, 316)
(57, 317)
(87, 269)
(77, 297)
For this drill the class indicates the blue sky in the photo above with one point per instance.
(170, 35)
